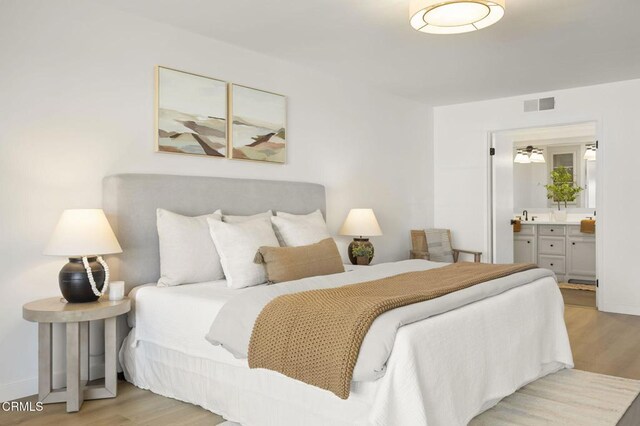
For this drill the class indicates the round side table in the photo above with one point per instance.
(76, 316)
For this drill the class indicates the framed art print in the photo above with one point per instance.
(191, 113)
(258, 125)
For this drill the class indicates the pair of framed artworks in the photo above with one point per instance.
(200, 115)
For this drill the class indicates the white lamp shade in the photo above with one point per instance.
(82, 232)
(537, 157)
(361, 223)
(590, 154)
(522, 158)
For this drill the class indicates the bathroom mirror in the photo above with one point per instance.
(534, 160)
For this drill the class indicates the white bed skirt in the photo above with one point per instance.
(442, 371)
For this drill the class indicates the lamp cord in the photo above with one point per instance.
(101, 261)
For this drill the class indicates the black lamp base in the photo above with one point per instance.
(74, 282)
(360, 260)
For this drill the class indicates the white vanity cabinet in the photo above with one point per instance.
(525, 245)
(556, 263)
(581, 254)
(559, 247)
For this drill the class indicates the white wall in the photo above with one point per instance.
(461, 174)
(76, 83)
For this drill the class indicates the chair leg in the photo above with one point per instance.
(455, 256)
(476, 257)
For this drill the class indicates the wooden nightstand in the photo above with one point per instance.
(76, 316)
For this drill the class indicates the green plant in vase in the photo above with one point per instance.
(363, 253)
(562, 188)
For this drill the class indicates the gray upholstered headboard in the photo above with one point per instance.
(130, 202)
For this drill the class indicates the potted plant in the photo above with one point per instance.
(562, 190)
(363, 254)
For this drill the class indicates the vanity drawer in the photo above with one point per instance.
(574, 230)
(527, 230)
(551, 245)
(555, 263)
(551, 230)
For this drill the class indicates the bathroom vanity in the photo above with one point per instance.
(560, 247)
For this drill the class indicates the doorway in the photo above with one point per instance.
(543, 192)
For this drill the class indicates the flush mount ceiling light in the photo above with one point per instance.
(454, 16)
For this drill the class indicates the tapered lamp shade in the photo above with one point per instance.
(82, 232)
(361, 223)
(590, 154)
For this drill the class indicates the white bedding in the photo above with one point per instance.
(442, 371)
(233, 324)
(178, 317)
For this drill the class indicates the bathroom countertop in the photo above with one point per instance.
(546, 222)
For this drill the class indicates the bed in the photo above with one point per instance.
(443, 370)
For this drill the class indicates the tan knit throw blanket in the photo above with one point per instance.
(315, 336)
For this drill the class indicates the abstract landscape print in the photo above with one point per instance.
(258, 122)
(191, 113)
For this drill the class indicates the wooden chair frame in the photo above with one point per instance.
(420, 249)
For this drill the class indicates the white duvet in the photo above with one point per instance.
(442, 371)
(233, 324)
(179, 317)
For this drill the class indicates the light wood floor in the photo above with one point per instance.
(579, 297)
(601, 342)
(133, 406)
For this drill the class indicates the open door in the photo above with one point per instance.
(526, 165)
(502, 199)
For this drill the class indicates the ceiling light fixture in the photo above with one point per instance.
(529, 155)
(522, 157)
(454, 16)
(536, 156)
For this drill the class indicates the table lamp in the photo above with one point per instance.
(83, 235)
(361, 224)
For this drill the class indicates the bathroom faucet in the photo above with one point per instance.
(525, 214)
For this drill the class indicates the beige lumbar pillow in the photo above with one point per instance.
(293, 263)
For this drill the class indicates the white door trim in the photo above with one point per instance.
(600, 204)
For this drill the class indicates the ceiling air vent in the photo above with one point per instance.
(542, 104)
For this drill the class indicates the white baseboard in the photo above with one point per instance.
(28, 387)
(15, 390)
(620, 309)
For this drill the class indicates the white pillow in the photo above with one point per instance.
(300, 230)
(237, 244)
(237, 219)
(313, 216)
(187, 252)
